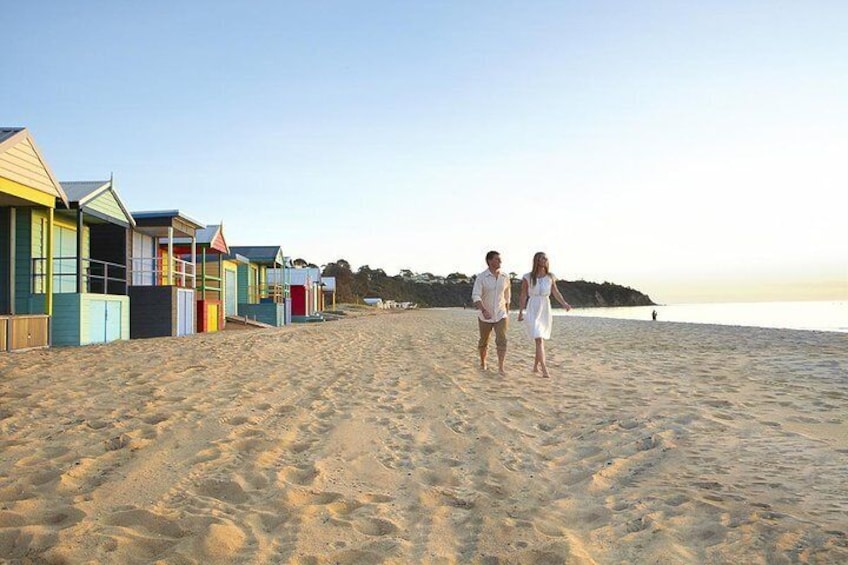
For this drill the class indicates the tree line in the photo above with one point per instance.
(455, 290)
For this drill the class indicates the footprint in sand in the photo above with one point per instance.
(311, 498)
(286, 409)
(154, 419)
(373, 498)
(374, 526)
(14, 543)
(223, 490)
(343, 508)
(237, 420)
(146, 522)
(299, 475)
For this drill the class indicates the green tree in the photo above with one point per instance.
(344, 280)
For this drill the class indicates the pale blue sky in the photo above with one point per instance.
(692, 150)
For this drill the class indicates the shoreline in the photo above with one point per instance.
(827, 316)
(375, 438)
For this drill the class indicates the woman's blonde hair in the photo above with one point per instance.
(537, 264)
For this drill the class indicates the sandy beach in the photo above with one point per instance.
(376, 439)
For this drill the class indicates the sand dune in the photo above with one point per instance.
(377, 440)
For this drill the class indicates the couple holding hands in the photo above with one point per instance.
(491, 295)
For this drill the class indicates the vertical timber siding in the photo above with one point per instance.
(30, 227)
(153, 311)
(5, 265)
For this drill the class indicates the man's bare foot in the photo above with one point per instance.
(501, 372)
(484, 367)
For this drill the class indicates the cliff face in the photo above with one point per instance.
(585, 294)
(580, 294)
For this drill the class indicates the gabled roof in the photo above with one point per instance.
(270, 255)
(83, 191)
(82, 194)
(210, 236)
(7, 133)
(22, 163)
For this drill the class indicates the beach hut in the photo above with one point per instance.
(162, 285)
(328, 292)
(261, 298)
(306, 295)
(211, 249)
(90, 265)
(29, 193)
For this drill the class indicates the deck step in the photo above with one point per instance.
(247, 322)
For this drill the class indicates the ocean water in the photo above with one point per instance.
(830, 316)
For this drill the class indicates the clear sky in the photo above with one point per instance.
(696, 151)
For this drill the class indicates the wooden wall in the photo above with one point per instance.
(66, 319)
(153, 311)
(30, 228)
(21, 163)
(5, 263)
(268, 312)
(71, 323)
(109, 243)
(24, 332)
(107, 205)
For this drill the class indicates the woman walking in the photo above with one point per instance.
(536, 289)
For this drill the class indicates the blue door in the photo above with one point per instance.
(104, 321)
(114, 312)
(96, 321)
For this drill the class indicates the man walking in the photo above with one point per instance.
(491, 296)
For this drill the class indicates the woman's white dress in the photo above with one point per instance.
(537, 315)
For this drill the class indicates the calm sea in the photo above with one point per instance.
(830, 316)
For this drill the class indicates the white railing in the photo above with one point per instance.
(154, 271)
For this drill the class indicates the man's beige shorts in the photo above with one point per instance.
(500, 333)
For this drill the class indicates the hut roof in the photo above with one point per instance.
(82, 193)
(271, 255)
(16, 144)
(211, 236)
(157, 222)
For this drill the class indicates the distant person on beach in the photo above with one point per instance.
(654, 315)
(536, 289)
(491, 295)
